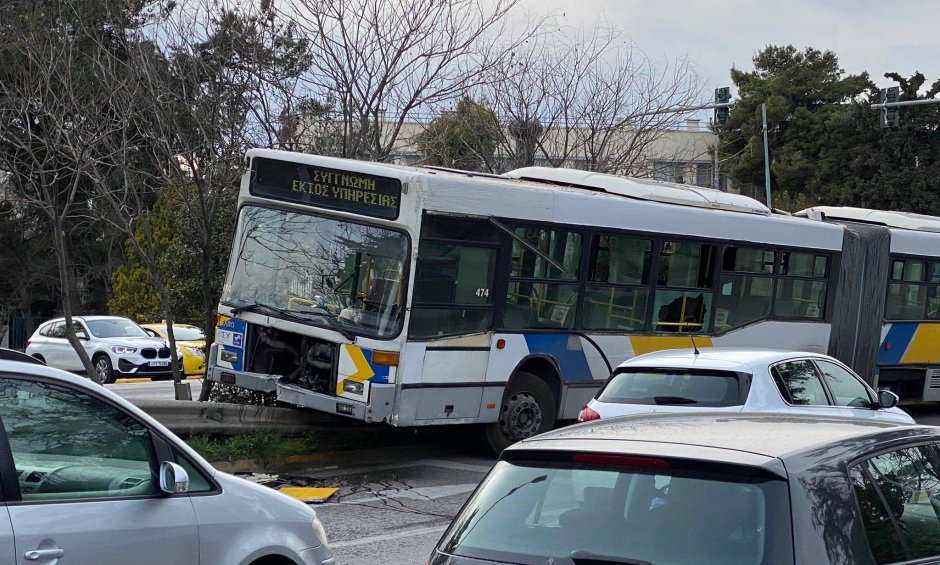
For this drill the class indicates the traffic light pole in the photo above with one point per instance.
(920, 102)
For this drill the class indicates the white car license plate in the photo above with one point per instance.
(159, 363)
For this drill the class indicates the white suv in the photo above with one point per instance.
(117, 347)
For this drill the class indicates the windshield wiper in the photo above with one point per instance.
(331, 320)
(674, 400)
(585, 558)
(295, 315)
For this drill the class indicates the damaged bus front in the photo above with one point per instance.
(312, 307)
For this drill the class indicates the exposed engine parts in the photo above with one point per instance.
(300, 360)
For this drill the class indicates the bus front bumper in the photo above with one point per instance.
(252, 381)
(381, 396)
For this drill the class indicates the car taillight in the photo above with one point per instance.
(27, 343)
(625, 460)
(587, 414)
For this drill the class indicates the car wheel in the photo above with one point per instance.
(528, 409)
(39, 357)
(104, 369)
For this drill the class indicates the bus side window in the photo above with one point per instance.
(684, 287)
(746, 287)
(908, 292)
(802, 285)
(454, 280)
(535, 297)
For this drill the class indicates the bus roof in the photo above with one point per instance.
(643, 189)
(566, 196)
(887, 218)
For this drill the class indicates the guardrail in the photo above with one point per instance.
(189, 417)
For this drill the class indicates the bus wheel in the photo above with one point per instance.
(528, 409)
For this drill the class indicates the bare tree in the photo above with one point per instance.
(588, 98)
(43, 141)
(376, 62)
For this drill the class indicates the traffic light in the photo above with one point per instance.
(889, 116)
(722, 96)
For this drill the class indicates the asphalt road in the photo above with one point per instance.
(394, 513)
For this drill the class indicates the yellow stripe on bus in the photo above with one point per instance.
(650, 343)
(924, 346)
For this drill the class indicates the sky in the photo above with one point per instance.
(874, 36)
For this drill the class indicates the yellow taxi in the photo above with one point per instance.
(190, 340)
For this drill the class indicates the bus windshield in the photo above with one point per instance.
(326, 272)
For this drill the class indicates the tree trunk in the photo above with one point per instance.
(62, 258)
(210, 308)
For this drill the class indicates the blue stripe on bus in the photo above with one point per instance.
(895, 343)
(381, 371)
(572, 362)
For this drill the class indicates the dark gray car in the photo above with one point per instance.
(707, 489)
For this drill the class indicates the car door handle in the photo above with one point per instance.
(38, 554)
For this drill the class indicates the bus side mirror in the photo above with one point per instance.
(887, 399)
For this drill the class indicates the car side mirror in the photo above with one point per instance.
(887, 399)
(81, 335)
(173, 478)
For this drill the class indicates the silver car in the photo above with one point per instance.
(740, 380)
(86, 477)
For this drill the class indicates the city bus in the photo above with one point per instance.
(897, 280)
(422, 296)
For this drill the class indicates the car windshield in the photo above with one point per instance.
(319, 270)
(692, 387)
(187, 334)
(659, 513)
(115, 327)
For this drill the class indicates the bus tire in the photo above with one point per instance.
(528, 409)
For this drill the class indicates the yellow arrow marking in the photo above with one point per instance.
(363, 371)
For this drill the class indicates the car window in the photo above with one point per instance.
(544, 511)
(198, 482)
(799, 383)
(845, 387)
(908, 488)
(57, 330)
(46, 330)
(879, 527)
(187, 334)
(115, 327)
(692, 387)
(66, 444)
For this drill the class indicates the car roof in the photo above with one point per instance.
(88, 318)
(761, 440)
(731, 359)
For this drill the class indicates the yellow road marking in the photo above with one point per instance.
(147, 379)
(309, 494)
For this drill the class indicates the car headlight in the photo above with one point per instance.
(123, 349)
(319, 531)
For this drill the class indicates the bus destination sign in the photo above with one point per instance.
(348, 191)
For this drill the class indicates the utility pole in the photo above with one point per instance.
(763, 116)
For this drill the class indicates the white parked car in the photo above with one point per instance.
(740, 380)
(117, 347)
(87, 478)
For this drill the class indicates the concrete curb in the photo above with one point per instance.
(190, 417)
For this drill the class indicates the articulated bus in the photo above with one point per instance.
(419, 296)
(895, 278)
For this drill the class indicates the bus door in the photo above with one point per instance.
(451, 318)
